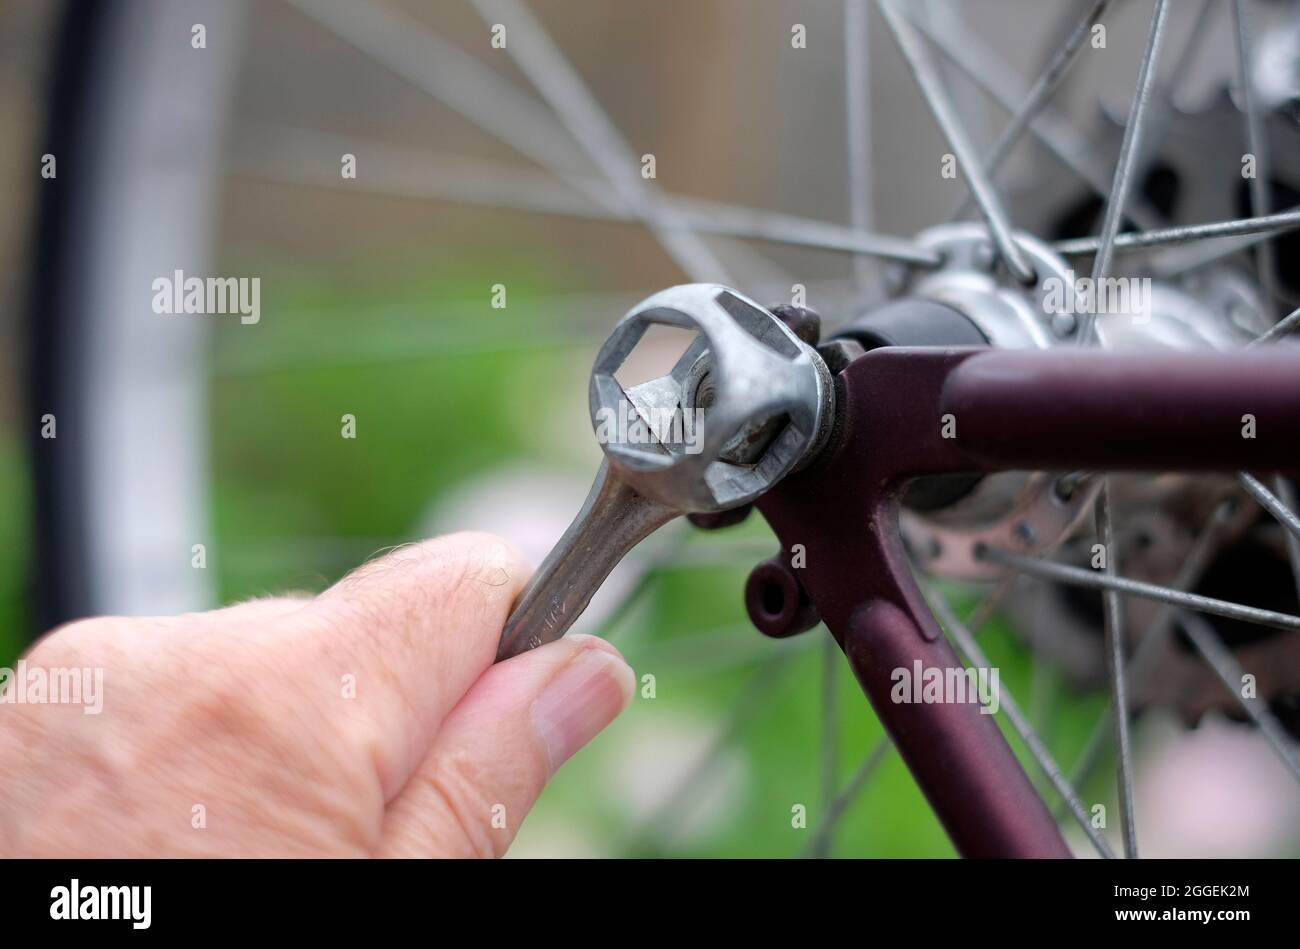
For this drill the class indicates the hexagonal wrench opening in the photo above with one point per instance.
(739, 408)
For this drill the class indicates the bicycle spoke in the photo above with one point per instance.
(1131, 240)
(927, 78)
(857, 79)
(857, 106)
(1129, 154)
(990, 604)
(410, 332)
(1189, 575)
(1281, 505)
(1078, 576)
(411, 50)
(1113, 629)
(1230, 673)
(1040, 93)
(1271, 503)
(418, 54)
(1286, 495)
(980, 615)
(291, 155)
(715, 651)
(1044, 682)
(1094, 747)
(561, 86)
(1153, 636)
(1288, 324)
(974, 656)
(1180, 260)
(1267, 264)
(788, 229)
(409, 173)
(644, 582)
(846, 797)
(1073, 150)
(715, 551)
(831, 658)
(1258, 146)
(757, 693)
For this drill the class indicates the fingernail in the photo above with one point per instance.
(580, 700)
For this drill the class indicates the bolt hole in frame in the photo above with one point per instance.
(563, 103)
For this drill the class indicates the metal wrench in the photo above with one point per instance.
(745, 404)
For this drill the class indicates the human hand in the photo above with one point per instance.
(368, 720)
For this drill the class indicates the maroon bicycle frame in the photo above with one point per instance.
(1062, 410)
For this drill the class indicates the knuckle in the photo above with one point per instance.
(445, 562)
(487, 570)
(488, 549)
(469, 575)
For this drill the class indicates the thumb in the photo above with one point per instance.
(498, 747)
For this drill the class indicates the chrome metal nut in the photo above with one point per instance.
(741, 408)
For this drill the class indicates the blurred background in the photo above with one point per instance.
(377, 301)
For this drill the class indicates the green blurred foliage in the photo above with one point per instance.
(15, 541)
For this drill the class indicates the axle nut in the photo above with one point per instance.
(745, 403)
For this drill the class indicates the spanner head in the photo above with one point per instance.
(742, 407)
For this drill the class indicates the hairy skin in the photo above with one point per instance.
(367, 721)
